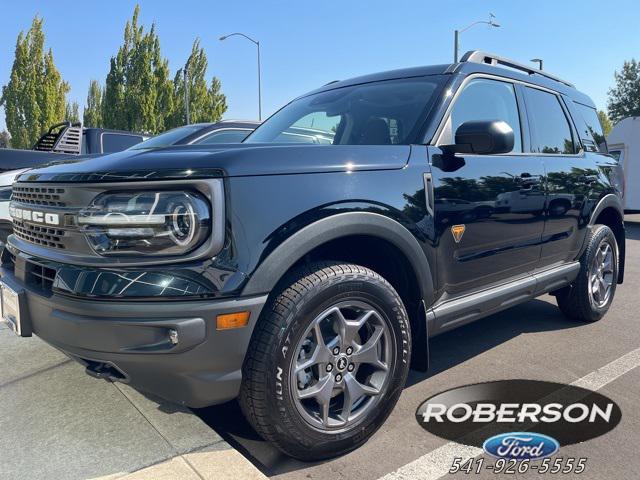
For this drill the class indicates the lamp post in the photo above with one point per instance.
(456, 33)
(186, 92)
(538, 61)
(257, 44)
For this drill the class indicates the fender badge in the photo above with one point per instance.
(457, 231)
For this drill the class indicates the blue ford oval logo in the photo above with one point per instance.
(521, 446)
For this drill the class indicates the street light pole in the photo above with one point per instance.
(538, 61)
(186, 92)
(456, 33)
(257, 44)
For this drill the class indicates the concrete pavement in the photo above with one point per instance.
(58, 423)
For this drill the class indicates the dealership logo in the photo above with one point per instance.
(487, 415)
(34, 216)
(521, 446)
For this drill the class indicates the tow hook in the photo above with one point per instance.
(104, 371)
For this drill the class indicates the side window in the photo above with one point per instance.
(618, 155)
(550, 130)
(484, 99)
(225, 136)
(116, 142)
(591, 131)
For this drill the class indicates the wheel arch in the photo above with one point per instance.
(349, 237)
(610, 212)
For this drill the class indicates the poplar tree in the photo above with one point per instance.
(138, 90)
(206, 103)
(72, 112)
(92, 115)
(35, 97)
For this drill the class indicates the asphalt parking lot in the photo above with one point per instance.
(55, 422)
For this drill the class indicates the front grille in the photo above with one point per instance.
(45, 236)
(39, 276)
(45, 196)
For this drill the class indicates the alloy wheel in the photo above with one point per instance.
(342, 365)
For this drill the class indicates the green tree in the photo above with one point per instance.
(35, 97)
(206, 102)
(72, 112)
(624, 97)
(92, 115)
(606, 123)
(138, 91)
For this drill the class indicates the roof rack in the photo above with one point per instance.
(478, 56)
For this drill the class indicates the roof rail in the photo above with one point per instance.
(478, 56)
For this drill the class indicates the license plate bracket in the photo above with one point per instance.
(13, 308)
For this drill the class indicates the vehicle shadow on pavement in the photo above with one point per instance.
(446, 351)
(459, 345)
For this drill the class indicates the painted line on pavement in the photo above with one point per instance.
(437, 463)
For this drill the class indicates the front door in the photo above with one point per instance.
(489, 209)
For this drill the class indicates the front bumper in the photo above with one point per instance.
(131, 340)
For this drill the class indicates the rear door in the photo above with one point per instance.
(570, 173)
(488, 208)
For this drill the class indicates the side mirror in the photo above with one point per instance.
(488, 137)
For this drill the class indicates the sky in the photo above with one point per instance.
(306, 44)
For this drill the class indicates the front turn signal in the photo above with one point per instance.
(228, 321)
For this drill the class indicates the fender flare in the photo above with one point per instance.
(278, 262)
(609, 200)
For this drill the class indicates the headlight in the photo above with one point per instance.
(146, 223)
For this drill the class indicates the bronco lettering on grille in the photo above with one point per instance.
(34, 216)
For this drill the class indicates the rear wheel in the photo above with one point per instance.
(589, 297)
(327, 362)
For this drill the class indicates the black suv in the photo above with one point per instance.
(306, 279)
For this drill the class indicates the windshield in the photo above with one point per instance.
(168, 138)
(379, 113)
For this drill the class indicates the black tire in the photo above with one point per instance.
(266, 396)
(576, 301)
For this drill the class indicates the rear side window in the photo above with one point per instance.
(485, 100)
(116, 142)
(550, 130)
(590, 129)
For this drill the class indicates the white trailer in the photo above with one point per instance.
(624, 146)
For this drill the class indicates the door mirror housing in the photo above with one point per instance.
(486, 137)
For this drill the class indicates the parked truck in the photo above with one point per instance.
(68, 140)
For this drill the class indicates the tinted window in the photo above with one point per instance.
(590, 129)
(116, 142)
(485, 100)
(170, 137)
(224, 136)
(377, 113)
(618, 155)
(550, 130)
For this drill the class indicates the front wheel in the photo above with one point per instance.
(327, 362)
(591, 294)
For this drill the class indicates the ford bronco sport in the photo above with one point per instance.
(306, 279)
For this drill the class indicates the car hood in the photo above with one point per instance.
(224, 161)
